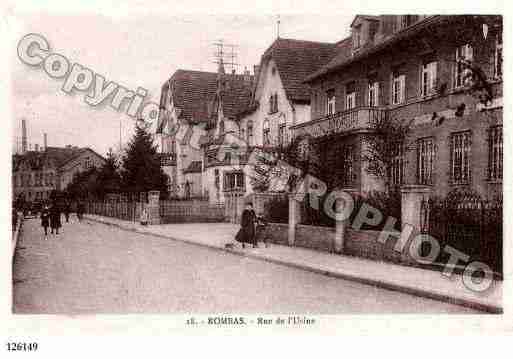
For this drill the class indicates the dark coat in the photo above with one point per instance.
(246, 233)
(45, 218)
(55, 217)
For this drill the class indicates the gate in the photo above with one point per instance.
(468, 223)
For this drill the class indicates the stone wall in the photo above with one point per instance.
(357, 243)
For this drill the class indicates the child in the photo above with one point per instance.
(45, 219)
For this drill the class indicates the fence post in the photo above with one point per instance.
(153, 207)
(294, 216)
(412, 197)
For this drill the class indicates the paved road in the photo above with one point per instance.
(94, 268)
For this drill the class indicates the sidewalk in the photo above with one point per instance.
(416, 281)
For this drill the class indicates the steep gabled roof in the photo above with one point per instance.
(191, 92)
(296, 59)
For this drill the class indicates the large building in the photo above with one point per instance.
(37, 173)
(430, 71)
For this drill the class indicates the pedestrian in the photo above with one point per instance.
(144, 217)
(45, 219)
(261, 225)
(67, 210)
(80, 210)
(55, 218)
(246, 233)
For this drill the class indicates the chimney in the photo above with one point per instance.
(45, 141)
(23, 136)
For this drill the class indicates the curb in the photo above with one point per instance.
(492, 309)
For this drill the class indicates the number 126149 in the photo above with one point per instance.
(21, 347)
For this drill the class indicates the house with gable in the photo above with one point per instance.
(184, 112)
(221, 163)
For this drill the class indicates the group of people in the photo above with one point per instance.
(51, 216)
(251, 225)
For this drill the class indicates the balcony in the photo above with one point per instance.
(167, 159)
(344, 122)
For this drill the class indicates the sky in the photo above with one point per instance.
(134, 49)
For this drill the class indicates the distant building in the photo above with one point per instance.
(37, 173)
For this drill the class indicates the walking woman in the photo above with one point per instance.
(246, 233)
(55, 218)
(45, 219)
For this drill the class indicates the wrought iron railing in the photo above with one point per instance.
(168, 159)
(360, 118)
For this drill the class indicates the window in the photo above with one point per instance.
(221, 127)
(250, 133)
(460, 157)
(373, 94)
(463, 57)
(233, 181)
(242, 134)
(350, 95)
(498, 57)
(330, 107)
(428, 79)
(281, 135)
(273, 103)
(495, 153)
(397, 164)
(398, 83)
(266, 133)
(425, 160)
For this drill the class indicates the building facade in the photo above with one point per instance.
(441, 74)
(37, 173)
(183, 116)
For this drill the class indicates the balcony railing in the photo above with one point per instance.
(168, 159)
(356, 119)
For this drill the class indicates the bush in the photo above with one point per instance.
(277, 210)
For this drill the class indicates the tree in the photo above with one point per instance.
(387, 141)
(109, 179)
(141, 165)
(84, 184)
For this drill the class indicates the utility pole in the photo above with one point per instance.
(278, 27)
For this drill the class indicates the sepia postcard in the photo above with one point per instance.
(239, 170)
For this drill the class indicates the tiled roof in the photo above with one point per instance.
(236, 96)
(194, 167)
(296, 59)
(53, 156)
(191, 91)
(344, 56)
